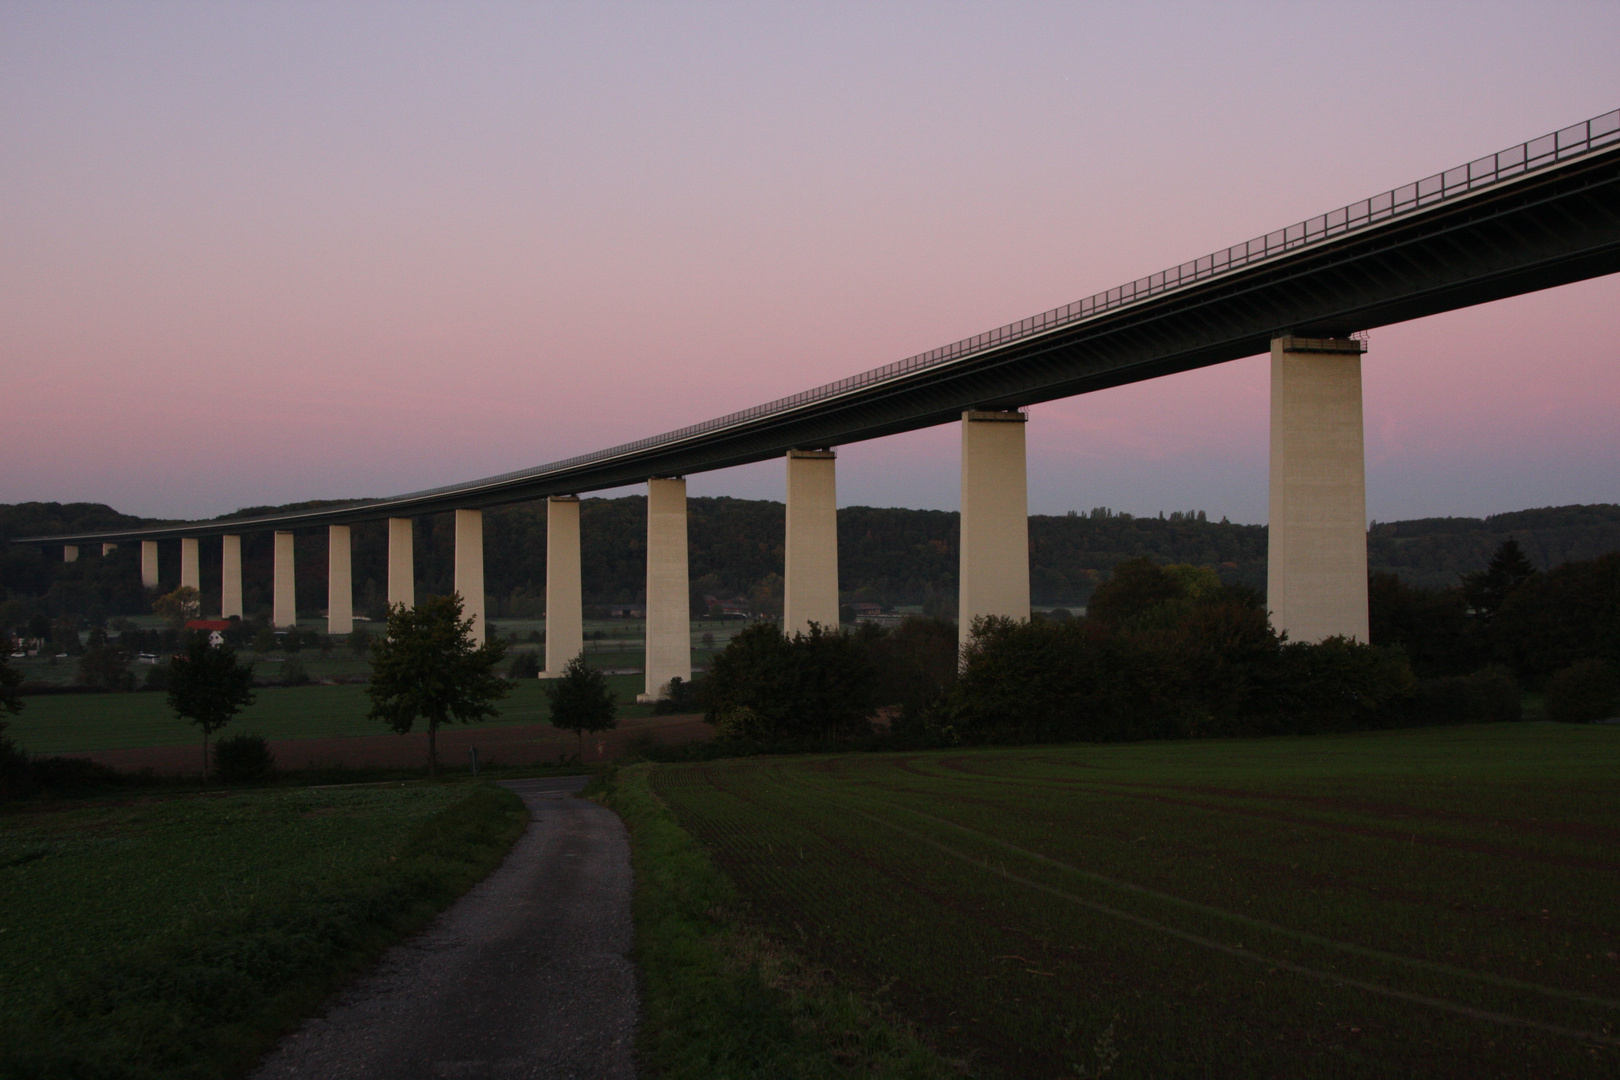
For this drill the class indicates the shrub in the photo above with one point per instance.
(1490, 695)
(1584, 693)
(294, 674)
(525, 665)
(243, 759)
(684, 697)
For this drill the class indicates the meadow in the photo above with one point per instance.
(179, 936)
(1436, 902)
(71, 723)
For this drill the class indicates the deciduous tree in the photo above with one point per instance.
(208, 687)
(581, 700)
(428, 668)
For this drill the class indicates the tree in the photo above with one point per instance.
(1508, 569)
(581, 700)
(428, 668)
(10, 679)
(105, 666)
(176, 607)
(360, 641)
(208, 687)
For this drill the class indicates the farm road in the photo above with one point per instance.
(525, 976)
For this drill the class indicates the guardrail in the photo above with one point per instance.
(1561, 145)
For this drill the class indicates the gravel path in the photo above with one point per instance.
(525, 976)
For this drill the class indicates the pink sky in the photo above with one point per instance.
(265, 253)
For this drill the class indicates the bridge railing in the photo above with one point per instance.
(1515, 161)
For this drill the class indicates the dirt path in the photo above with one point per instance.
(508, 745)
(525, 976)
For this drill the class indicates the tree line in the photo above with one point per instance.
(889, 556)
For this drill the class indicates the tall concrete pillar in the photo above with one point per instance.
(1316, 559)
(810, 559)
(994, 574)
(149, 569)
(669, 598)
(190, 564)
(470, 569)
(70, 553)
(565, 617)
(284, 598)
(108, 549)
(230, 577)
(401, 562)
(339, 582)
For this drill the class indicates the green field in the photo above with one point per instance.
(71, 723)
(178, 937)
(1439, 902)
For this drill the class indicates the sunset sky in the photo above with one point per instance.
(272, 252)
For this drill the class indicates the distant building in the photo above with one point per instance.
(216, 629)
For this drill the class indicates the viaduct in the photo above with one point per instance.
(1537, 215)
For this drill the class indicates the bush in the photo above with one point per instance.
(525, 665)
(243, 759)
(1490, 695)
(294, 674)
(157, 677)
(684, 697)
(1584, 693)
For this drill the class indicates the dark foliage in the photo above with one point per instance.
(105, 667)
(685, 696)
(208, 687)
(524, 665)
(581, 701)
(1490, 695)
(1487, 590)
(808, 689)
(243, 759)
(1565, 615)
(1584, 693)
(427, 668)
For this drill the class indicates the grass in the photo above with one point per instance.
(1437, 902)
(71, 723)
(179, 937)
(722, 1001)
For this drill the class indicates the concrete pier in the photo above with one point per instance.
(469, 575)
(401, 562)
(190, 564)
(669, 598)
(810, 556)
(339, 581)
(994, 575)
(149, 564)
(230, 577)
(284, 597)
(565, 614)
(70, 553)
(1316, 576)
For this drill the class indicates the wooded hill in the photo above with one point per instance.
(886, 555)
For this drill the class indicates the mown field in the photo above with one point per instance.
(178, 936)
(70, 723)
(1439, 902)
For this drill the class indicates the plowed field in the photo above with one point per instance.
(1422, 903)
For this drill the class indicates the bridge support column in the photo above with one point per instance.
(810, 558)
(669, 598)
(149, 565)
(190, 564)
(401, 562)
(994, 574)
(108, 549)
(230, 577)
(1316, 576)
(284, 598)
(470, 569)
(565, 614)
(70, 553)
(339, 582)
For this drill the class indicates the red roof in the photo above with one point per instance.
(208, 624)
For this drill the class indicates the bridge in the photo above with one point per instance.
(1540, 214)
